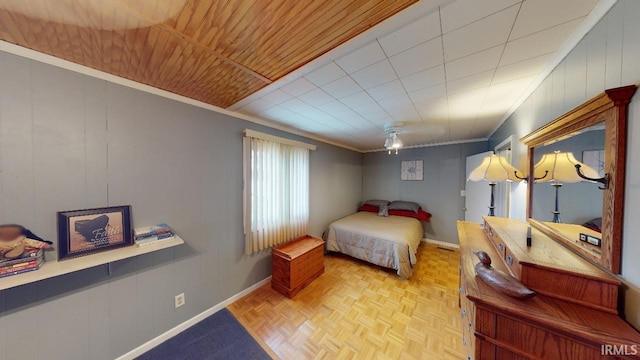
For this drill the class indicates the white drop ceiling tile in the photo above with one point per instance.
(317, 115)
(521, 69)
(437, 128)
(541, 43)
(395, 101)
(461, 129)
(473, 64)
(295, 105)
(333, 107)
(255, 107)
(277, 97)
(419, 31)
(542, 14)
(480, 35)
(376, 74)
(361, 58)
(298, 87)
(276, 113)
(379, 118)
(468, 83)
(374, 113)
(501, 96)
(404, 113)
(485, 123)
(418, 58)
(390, 89)
(316, 97)
(429, 93)
(424, 79)
(325, 74)
(357, 99)
(466, 105)
(360, 123)
(295, 120)
(434, 109)
(342, 87)
(462, 12)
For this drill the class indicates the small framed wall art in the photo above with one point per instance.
(83, 232)
(411, 170)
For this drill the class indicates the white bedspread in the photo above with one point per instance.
(391, 242)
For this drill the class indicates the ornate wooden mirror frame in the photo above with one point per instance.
(609, 108)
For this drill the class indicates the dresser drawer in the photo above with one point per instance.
(495, 240)
(512, 263)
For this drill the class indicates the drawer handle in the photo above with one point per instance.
(509, 260)
(461, 290)
(490, 232)
(464, 340)
(500, 247)
(469, 357)
(463, 313)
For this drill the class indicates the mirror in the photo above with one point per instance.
(598, 124)
(579, 203)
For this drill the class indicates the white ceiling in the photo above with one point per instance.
(450, 73)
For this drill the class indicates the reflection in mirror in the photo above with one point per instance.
(584, 204)
(580, 202)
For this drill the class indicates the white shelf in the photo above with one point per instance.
(57, 268)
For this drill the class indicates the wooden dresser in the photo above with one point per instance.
(574, 315)
(296, 264)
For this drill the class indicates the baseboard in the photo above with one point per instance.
(189, 323)
(441, 243)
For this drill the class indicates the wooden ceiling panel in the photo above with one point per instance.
(217, 52)
(274, 38)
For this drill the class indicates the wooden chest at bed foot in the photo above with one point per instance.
(296, 264)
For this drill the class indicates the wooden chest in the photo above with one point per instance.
(296, 264)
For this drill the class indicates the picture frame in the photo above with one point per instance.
(88, 231)
(411, 170)
(594, 159)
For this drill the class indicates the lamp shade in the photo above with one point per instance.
(561, 167)
(494, 168)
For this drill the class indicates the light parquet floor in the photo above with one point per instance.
(359, 311)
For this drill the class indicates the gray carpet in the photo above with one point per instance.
(220, 336)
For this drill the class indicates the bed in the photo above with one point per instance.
(390, 241)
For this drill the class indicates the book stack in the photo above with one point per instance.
(152, 234)
(30, 260)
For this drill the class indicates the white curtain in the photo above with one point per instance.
(277, 193)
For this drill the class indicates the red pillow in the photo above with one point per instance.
(421, 215)
(369, 208)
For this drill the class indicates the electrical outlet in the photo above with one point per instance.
(180, 300)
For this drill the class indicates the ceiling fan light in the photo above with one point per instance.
(397, 143)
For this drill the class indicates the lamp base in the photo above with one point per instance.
(556, 212)
(492, 206)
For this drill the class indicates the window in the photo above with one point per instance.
(276, 190)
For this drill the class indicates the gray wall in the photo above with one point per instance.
(607, 57)
(68, 141)
(438, 193)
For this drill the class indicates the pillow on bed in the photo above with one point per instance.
(404, 205)
(420, 215)
(368, 208)
(384, 210)
(376, 203)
